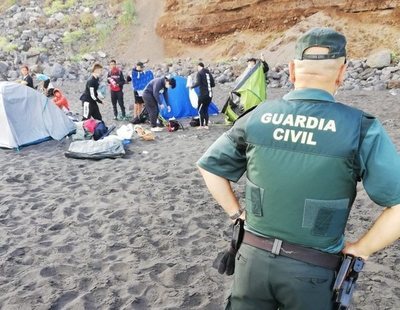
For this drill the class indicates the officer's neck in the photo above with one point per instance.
(328, 87)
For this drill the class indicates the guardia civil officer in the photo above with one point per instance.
(303, 156)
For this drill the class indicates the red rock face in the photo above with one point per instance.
(203, 21)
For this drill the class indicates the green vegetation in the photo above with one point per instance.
(103, 30)
(89, 3)
(76, 58)
(87, 20)
(128, 12)
(38, 50)
(54, 6)
(395, 57)
(6, 4)
(71, 37)
(86, 32)
(6, 45)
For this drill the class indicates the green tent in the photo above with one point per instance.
(249, 91)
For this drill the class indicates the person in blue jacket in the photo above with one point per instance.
(139, 78)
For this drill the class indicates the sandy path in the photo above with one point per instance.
(141, 41)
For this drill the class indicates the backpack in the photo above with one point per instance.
(195, 122)
(142, 118)
(100, 131)
(174, 125)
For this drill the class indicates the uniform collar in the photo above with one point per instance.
(309, 94)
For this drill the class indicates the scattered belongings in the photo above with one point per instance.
(109, 147)
(145, 134)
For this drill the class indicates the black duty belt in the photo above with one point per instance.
(297, 252)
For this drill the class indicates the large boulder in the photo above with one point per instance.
(3, 67)
(88, 57)
(101, 54)
(379, 59)
(59, 16)
(57, 71)
(222, 79)
(393, 84)
(13, 74)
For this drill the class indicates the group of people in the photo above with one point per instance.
(45, 86)
(303, 156)
(147, 92)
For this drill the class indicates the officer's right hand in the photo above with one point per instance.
(353, 249)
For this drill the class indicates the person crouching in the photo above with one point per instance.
(151, 98)
(60, 100)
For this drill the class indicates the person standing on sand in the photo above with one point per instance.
(90, 97)
(116, 81)
(140, 78)
(205, 81)
(151, 98)
(303, 156)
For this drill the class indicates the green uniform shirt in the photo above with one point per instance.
(304, 156)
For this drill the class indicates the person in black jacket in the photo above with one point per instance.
(151, 98)
(90, 97)
(26, 78)
(116, 81)
(205, 81)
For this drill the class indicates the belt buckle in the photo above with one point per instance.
(276, 247)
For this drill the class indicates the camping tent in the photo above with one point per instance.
(28, 117)
(179, 100)
(250, 90)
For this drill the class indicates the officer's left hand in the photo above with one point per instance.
(168, 109)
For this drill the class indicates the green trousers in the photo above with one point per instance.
(264, 281)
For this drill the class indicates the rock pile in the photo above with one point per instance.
(49, 39)
(359, 74)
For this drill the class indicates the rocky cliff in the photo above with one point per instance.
(199, 22)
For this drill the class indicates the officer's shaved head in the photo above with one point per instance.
(321, 73)
(320, 60)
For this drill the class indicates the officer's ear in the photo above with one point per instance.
(292, 75)
(341, 74)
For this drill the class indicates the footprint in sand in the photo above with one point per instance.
(84, 284)
(68, 248)
(173, 277)
(51, 271)
(192, 300)
(68, 211)
(96, 235)
(48, 272)
(63, 300)
(119, 214)
(57, 227)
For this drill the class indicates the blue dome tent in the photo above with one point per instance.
(180, 103)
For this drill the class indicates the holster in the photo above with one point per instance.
(237, 234)
(227, 262)
(345, 282)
